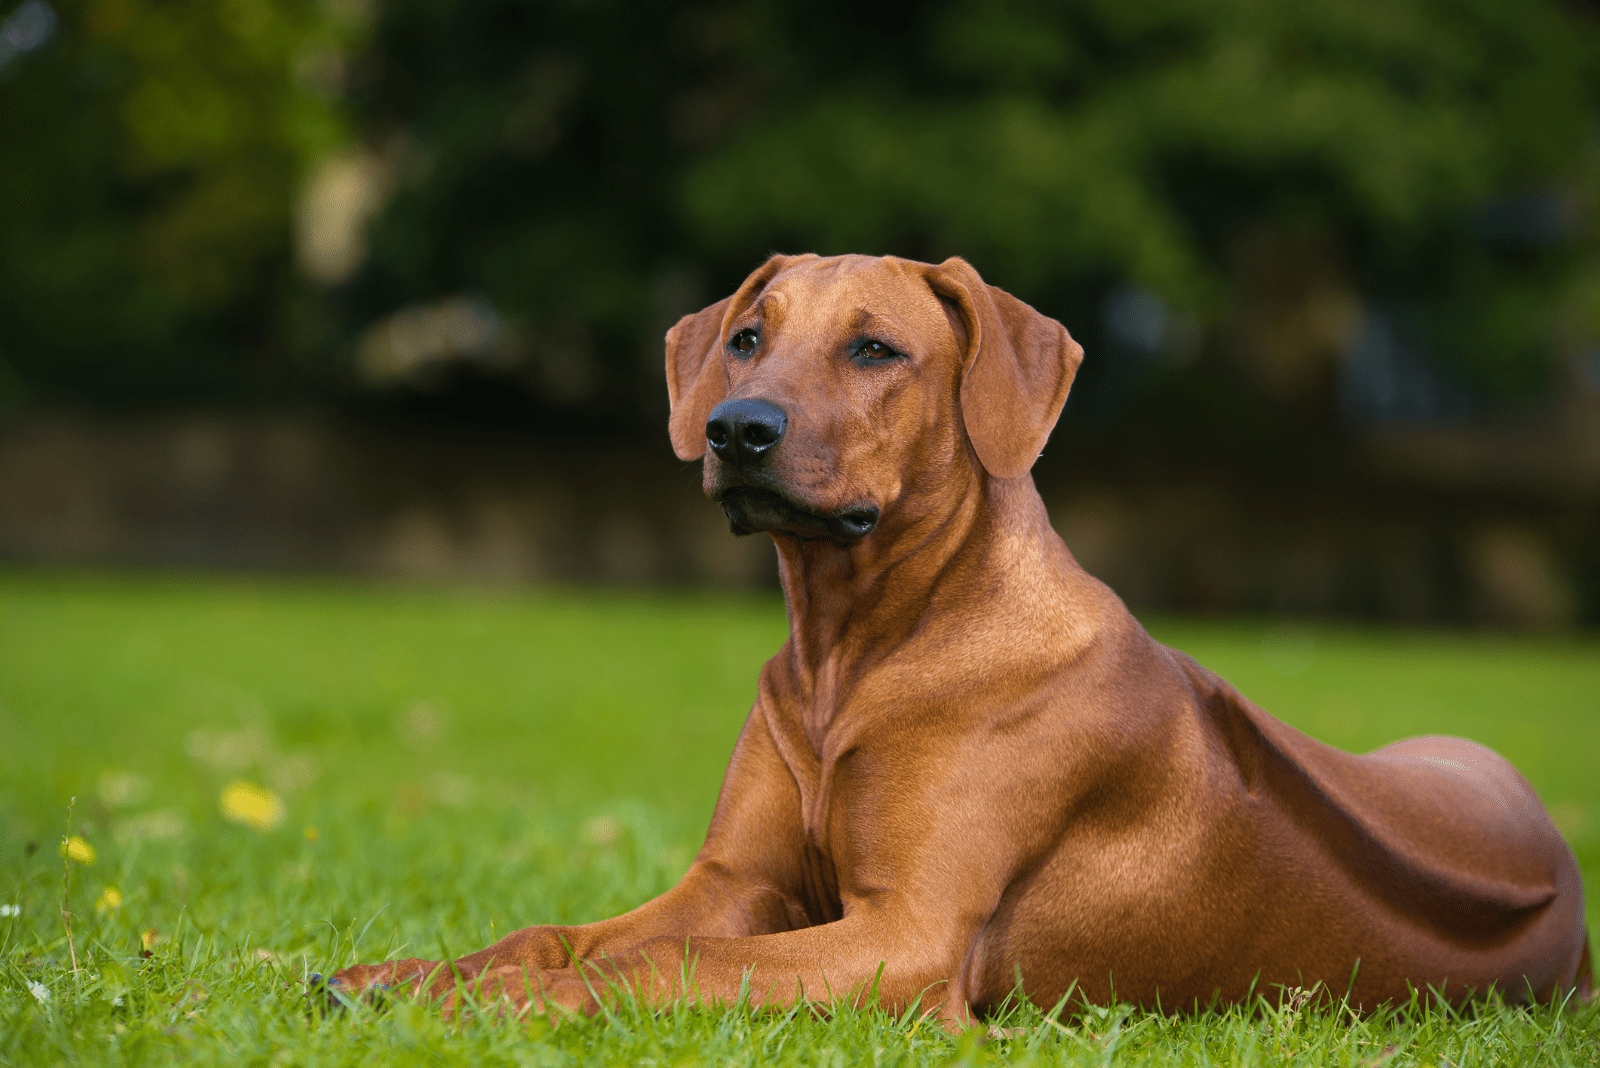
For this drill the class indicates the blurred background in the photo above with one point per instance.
(378, 286)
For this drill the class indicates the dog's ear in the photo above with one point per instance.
(697, 379)
(697, 376)
(1016, 372)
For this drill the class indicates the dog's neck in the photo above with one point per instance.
(851, 608)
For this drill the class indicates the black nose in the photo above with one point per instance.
(745, 431)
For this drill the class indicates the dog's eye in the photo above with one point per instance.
(875, 350)
(744, 342)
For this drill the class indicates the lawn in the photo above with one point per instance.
(276, 777)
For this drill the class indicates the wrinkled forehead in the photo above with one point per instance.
(855, 295)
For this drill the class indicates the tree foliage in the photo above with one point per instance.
(1265, 182)
(152, 152)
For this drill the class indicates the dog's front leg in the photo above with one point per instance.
(744, 882)
(893, 960)
(710, 899)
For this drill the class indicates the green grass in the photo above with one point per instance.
(454, 766)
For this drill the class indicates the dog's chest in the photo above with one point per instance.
(852, 797)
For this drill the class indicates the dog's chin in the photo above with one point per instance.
(753, 510)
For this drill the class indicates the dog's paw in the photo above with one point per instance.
(366, 982)
(555, 995)
(324, 995)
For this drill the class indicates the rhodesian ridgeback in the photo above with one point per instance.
(970, 767)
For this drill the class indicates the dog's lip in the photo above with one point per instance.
(744, 504)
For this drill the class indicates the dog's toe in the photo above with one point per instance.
(323, 994)
(335, 993)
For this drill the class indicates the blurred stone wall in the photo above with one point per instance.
(283, 495)
(1212, 547)
(1430, 540)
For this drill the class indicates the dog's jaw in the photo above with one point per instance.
(753, 509)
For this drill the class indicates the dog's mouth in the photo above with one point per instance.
(751, 509)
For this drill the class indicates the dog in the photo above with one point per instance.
(969, 767)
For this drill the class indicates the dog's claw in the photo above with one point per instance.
(336, 994)
(322, 994)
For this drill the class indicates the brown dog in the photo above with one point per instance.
(969, 763)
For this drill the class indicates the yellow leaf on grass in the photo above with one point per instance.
(252, 805)
(75, 848)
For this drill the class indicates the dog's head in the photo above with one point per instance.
(827, 390)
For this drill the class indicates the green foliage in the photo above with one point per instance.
(153, 155)
(1405, 149)
(1055, 144)
(453, 766)
(594, 170)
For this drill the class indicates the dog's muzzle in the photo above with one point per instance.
(752, 509)
(744, 435)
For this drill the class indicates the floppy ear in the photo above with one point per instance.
(697, 380)
(1015, 374)
(697, 377)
